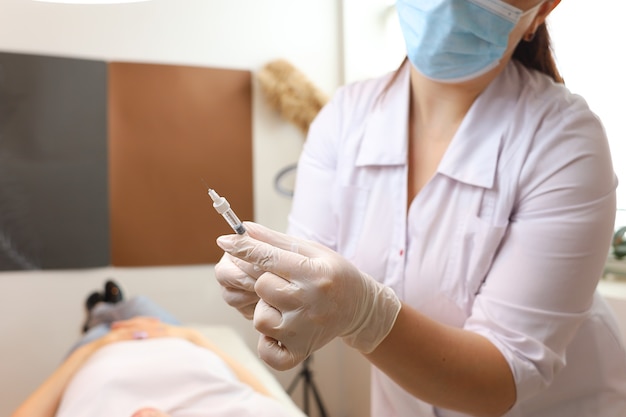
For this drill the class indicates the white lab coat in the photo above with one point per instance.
(508, 239)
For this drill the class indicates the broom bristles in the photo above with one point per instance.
(291, 93)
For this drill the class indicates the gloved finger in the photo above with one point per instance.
(237, 298)
(269, 258)
(248, 311)
(230, 274)
(278, 292)
(248, 268)
(225, 266)
(286, 242)
(267, 320)
(277, 355)
(244, 301)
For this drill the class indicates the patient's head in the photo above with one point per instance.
(149, 412)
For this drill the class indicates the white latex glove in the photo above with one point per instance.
(237, 279)
(310, 295)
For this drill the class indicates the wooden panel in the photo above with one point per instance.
(169, 128)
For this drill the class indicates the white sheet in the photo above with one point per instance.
(229, 341)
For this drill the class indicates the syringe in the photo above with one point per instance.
(222, 206)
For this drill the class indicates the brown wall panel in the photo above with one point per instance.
(169, 127)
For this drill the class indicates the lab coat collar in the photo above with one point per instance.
(385, 134)
(472, 156)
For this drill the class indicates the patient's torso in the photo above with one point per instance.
(169, 374)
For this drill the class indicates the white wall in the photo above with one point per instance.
(588, 43)
(240, 34)
(372, 39)
(40, 313)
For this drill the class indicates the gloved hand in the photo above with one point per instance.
(309, 295)
(237, 279)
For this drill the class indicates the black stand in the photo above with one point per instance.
(308, 388)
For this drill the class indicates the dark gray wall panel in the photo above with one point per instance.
(53, 163)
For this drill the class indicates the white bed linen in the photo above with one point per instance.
(229, 341)
(174, 376)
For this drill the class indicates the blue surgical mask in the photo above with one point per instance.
(456, 40)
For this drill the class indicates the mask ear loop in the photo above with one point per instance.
(529, 37)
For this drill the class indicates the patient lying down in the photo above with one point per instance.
(136, 361)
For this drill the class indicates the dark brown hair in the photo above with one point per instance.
(537, 54)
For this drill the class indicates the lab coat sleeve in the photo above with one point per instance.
(312, 214)
(542, 281)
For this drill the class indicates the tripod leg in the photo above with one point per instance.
(294, 383)
(318, 400)
(304, 375)
(308, 388)
(305, 395)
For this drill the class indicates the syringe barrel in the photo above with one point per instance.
(222, 206)
(234, 221)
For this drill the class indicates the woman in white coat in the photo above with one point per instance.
(462, 209)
